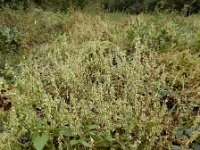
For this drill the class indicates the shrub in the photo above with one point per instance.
(9, 39)
(50, 4)
(123, 5)
(10, 55)
(136, 6)
(153, 36)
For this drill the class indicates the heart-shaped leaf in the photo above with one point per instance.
(39, 141)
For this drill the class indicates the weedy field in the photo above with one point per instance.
(96, 80)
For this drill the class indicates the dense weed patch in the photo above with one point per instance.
(93, 82)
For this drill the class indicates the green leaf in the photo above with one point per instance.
(151, 125)
(39, 141)
(92, 127)
(176, 147)
(122, 146)
(74, 142)
(66, 132)
(108, 139)
(83, 142)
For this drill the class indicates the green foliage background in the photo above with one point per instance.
(137, 6)
(131, 6)
(62, 5)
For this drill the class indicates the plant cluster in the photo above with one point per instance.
(95, 82)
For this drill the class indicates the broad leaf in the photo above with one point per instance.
(39, 141)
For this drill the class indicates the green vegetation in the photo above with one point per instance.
(138, 6)
(87, 79)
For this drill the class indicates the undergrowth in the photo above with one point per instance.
(103, 81)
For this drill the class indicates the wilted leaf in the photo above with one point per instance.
(3, 91)
(7, 106)
(12, 87)
(1, 102)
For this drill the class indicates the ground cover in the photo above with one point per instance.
(97, 80)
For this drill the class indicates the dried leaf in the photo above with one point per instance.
(7, 106)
